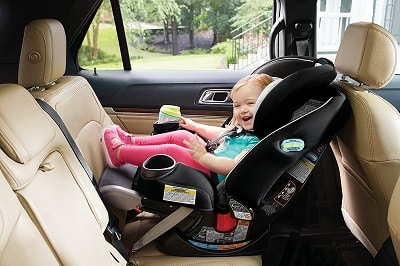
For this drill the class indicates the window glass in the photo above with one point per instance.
(100, 48)
(335, 15)
(176, 34)
(197, 34)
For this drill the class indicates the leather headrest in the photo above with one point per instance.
(367, 54)
(21, 121)
(43, 53)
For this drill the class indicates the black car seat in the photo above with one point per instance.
(295, 121)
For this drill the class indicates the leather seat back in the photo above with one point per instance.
(367, 148)
(50, 183)
(394, 219)
(41, 69)
(18, 233)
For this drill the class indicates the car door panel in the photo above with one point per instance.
(132, 98)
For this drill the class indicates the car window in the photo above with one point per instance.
(199, 34)
(335, 15)
(214, 34)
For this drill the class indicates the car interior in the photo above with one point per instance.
(320, 188)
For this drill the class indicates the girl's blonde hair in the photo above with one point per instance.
(256, 80)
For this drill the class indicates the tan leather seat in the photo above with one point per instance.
(50, 183)
(41, 69)
(367, 148)
(18, 233)
(394, 219)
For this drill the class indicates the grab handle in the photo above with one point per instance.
(278, 26)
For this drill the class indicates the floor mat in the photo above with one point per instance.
(331, 251)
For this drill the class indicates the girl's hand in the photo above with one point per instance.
(187, 123)
(196, 149)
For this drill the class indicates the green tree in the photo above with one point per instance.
(191, 11)
(218, 16)
(250, 9)
(134, 12)
(166, 12)
(93, 32)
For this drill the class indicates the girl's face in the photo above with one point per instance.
(244, 100)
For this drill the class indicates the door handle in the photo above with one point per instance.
(215, 96)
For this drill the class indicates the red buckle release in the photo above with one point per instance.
(225, 222)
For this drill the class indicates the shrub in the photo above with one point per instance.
(224, 48)
(85, 57)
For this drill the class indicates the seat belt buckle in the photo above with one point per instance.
(113, 233)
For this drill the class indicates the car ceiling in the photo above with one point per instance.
(16, 14)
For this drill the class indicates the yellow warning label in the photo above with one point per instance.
(179, 194)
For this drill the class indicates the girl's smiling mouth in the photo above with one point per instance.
(246, 118)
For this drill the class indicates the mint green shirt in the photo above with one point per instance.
(231, 147)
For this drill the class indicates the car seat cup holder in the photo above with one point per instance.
(163, 179)
(157, 165)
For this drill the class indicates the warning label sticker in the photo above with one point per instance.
(241, 230)
(179, 195)
(239, 211)
(302, 169)
(286, 194)
(210, 235)
(271, 207)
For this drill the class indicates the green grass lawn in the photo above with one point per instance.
(148, 60)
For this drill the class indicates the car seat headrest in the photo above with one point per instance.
(276, 104)
(367, 54)
(43, 53)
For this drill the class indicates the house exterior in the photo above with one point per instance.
(335, 15)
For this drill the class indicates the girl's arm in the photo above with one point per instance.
(220, 165)
(205, 131)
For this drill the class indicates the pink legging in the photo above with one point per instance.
(170, 143)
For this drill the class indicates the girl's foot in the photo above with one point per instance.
(110, 142)
(124, 136)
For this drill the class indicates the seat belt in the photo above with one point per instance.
(113, 231)
(302, 35)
